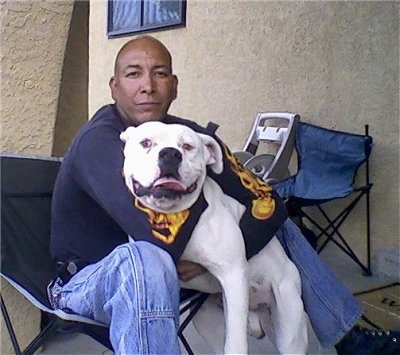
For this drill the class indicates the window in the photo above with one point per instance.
(126, 17)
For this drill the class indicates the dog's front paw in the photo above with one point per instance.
(254, 327)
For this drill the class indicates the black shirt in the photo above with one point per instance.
(93, 211)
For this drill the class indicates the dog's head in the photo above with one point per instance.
(166, 164)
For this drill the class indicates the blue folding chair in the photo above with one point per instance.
(328, 162)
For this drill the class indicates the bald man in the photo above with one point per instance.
(133, 288)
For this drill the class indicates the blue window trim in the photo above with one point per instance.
(135, 23)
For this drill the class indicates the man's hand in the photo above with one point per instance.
(188, 270)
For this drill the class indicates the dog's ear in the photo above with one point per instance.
(212, 153)
(124, 136)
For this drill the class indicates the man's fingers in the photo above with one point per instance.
(188, 270)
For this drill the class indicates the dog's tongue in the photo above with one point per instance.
(169, 184)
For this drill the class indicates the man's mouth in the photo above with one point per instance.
(164, 187)
(147, 104)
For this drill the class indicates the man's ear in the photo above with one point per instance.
(113, 86)
(175, 91)
(212, 153)
(125, 135)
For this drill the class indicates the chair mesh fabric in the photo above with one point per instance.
(328, 161)
(26, 189)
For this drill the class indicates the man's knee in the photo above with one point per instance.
(157, 263)
(156, 277)
(154, 262)
(153, 254)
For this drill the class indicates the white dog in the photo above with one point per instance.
(166, 169)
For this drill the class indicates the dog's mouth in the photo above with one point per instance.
(164, 187)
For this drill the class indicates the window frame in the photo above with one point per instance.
(142, 28)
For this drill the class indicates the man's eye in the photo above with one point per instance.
(145, 143)
(160, 74)
(133, 74)
(187, 147)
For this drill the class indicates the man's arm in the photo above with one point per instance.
(97, 168)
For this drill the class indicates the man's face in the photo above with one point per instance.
(143, 86)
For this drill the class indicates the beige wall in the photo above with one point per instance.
(335, 63)
(33, 38)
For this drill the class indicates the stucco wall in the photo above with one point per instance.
(335, 63)
(33, 38)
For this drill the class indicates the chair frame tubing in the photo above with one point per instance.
(194, 305)
(9, 326)
(332, 229)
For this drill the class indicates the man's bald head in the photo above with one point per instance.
(142, 42)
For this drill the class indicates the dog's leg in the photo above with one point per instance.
(280, 288)
(220, 248)
(287, 310)
(234, 281)
(289, 319)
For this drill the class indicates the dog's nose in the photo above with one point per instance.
(169, 160)
(170, 155)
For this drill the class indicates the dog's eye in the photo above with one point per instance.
(186, 146)
(145, 143)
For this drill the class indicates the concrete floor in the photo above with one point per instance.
(344, 268)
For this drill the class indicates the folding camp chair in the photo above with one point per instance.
(276, 130)
(26, 189)
(328, 162)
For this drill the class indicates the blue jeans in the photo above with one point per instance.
(135, 291)
(332, 309)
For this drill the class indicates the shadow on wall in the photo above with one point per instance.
(72, 111)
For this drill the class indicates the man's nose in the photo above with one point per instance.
(147, 83)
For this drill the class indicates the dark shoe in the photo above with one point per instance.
(362, 341)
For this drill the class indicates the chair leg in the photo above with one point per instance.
(50, 328)
(194, 305)
(9, 326)
(340, 243)
(47, 332)
(368, 227)
(331, 230)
